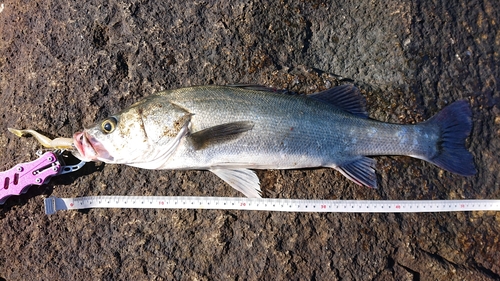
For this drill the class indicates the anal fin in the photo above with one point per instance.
(243, 180)
(360, 171)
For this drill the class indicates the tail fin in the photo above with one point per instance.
(455, 124)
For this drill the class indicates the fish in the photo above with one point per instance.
(233, 130)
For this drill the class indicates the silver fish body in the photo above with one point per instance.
(229, 130)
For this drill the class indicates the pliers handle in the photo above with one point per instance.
(18, 179)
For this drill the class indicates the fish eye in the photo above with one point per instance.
(109, 125)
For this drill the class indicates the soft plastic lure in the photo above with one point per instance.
(57, 143)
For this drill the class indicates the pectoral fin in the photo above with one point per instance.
(219, 133)
(243, 180)
(360, 171)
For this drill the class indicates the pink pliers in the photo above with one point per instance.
(18, 179)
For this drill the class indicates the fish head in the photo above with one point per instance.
(142, 133)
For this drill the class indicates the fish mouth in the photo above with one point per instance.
(89, 149)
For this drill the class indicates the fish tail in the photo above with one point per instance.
(454, 123)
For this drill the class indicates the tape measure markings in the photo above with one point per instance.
(54, 204)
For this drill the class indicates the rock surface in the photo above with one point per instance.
(66, 64)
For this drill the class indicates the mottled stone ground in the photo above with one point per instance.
(66, 64)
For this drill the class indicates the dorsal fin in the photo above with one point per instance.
(256, 87)
(346, 97)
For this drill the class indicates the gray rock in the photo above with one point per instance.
(66, 64)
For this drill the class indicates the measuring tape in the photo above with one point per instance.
(54, 204)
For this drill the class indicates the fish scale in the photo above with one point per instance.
(322, 132)
(290, 135)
